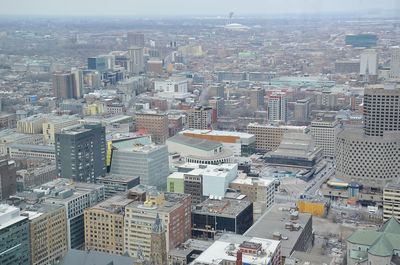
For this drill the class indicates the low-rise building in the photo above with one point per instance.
(18, 151)
(295, 150)
(269, 137)
(187, 252)
(242, 144)
(216, 215)
(199, 151)
(202, 180)
(232, 249)
(375, 247)
(83, 257)
(294, 229)
(259, 190)
(114, 184)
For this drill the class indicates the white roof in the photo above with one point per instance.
(241, 135)
(222, 249)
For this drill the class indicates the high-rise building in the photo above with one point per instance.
(155, 124)
(48, 233)
(302, 110)
(371, 156)
(218, 104)
(108, 214)
(325, 129)
(199, 118)
(68, 84)
(369, 65)
(81, 153)
(14, 236)
(326, 99)
(136, 60)
(257, 98)
(391, 201)
(173, 209)
(135, 39)
(77, 83)
(278, 107)
(395, 62)
(149, 162)
(381, 110)
(62, 85)
(101, 63)
(8, 179)
(158, 247)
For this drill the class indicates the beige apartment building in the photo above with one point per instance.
(174, 210)
(391, 201)
(54, 125)
(48, 233)
(31, 124)
(104, 225)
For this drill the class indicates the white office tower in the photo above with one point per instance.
(395, 62)
(278, 107)
(371, 156)
(369, 65)
(136, 60)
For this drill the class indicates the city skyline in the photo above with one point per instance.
(206, 7)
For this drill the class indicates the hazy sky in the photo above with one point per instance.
(188, 7)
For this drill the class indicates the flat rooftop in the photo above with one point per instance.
(9, 215)
(289, 127)
(222, 207)
(114, 204)
(201, 144)
(172, 202)
(227, 246)
(275, 219)
(219, 133)
(141, 148)
(246, 180)
(117, 178)
(191, 244)
(34, 148)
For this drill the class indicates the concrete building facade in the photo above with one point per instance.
(269, 137)
(150, 163)
(325, 130)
